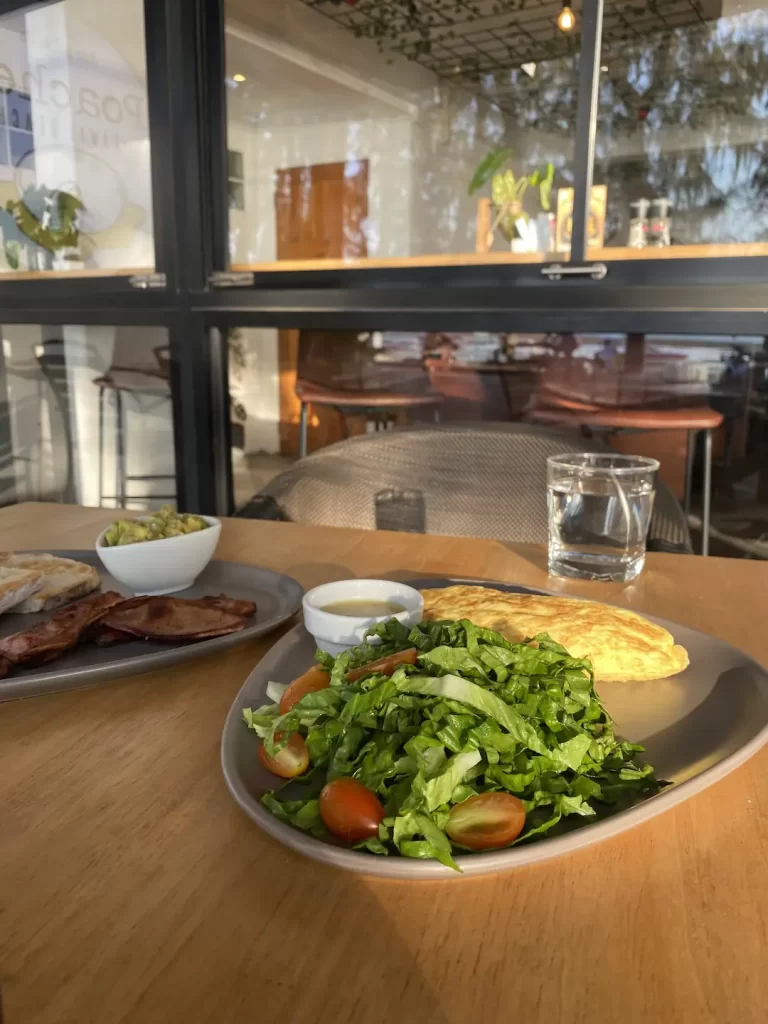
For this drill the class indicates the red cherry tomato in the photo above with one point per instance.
(317, 678)
(384, 666)
(289, 762)
(487, 821)
(350, 811)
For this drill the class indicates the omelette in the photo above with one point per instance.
(622, 646)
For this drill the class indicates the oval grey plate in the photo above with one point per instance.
(277, 597)
(697, 727)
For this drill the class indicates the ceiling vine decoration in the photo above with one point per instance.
(666, 66)
(483, 44)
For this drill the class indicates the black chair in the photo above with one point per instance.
(466, 481)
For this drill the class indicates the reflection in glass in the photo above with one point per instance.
(85, 416)
(339, 384)
(365, 137)
(75, 177)
(683, 125)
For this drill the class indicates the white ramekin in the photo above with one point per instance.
(336, 633)
(161, 566)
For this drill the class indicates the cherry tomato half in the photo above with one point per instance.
(317, 678)
(384, 666)
(350, 811)
(289, 762)
(487, 821)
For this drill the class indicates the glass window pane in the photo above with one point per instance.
(583, 387)
(682, 129)
(69, 393)
(236, 195)
(363, 137)
(75, 180)
(235, 164)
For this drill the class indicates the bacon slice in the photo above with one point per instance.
(47, 640)
(105, 636)
(172, 619)
(233, 605)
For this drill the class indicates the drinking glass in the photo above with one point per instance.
(599, 511)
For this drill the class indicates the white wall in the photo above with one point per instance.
(259, 389)
(82, 62)
(385, 144)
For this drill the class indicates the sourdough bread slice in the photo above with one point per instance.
(61, 580)
(17, 585)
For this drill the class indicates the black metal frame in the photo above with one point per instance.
(187, 106)
(728, 295)
(586, 124)
(182, 173)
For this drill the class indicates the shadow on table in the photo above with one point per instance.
(337, 953)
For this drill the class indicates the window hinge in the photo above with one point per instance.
(148, 281)
(232, 279)
(557, 271)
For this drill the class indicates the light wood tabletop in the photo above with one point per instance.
(134, 891)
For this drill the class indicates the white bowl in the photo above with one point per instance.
(161, 566)
(336, 633)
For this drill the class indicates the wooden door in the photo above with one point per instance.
(320, 213)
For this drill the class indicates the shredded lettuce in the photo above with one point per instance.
(476, 714)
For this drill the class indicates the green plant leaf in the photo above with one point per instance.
(488, 166)
(545, 187)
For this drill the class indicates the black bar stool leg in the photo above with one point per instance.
(303, 428)
(707, 492)
(101, 447)
(120, 450)
(690, 455)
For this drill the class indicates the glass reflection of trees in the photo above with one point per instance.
(684, 114)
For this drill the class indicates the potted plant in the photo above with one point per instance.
(45, 221)
(507, 192)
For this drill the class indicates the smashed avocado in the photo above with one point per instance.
(159, 526)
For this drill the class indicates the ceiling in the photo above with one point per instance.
(282, 90)
(484, 43)
(492, 35)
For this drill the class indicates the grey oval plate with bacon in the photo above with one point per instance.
(111, 633)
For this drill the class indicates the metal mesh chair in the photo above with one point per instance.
(467, 481)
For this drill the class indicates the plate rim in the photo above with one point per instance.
(405, 869)
(63, 679)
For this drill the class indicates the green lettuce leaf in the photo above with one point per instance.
(466, 692)
(262, 719)
(440, 788)
(435, 844)
(571, 753)
(303, 814)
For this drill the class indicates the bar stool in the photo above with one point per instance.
(693, 420)
(378, 406)
(139, 384)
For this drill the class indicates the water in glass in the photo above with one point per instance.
(599, 511)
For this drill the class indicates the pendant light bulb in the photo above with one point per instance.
(566, 19)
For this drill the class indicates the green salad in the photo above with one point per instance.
(444, 739)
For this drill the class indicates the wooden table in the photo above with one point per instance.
(133, 890)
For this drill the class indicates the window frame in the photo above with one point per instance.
(184, 252)
(724, 293)
(185, 58)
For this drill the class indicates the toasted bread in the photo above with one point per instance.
(17, 585)
(61, 580)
